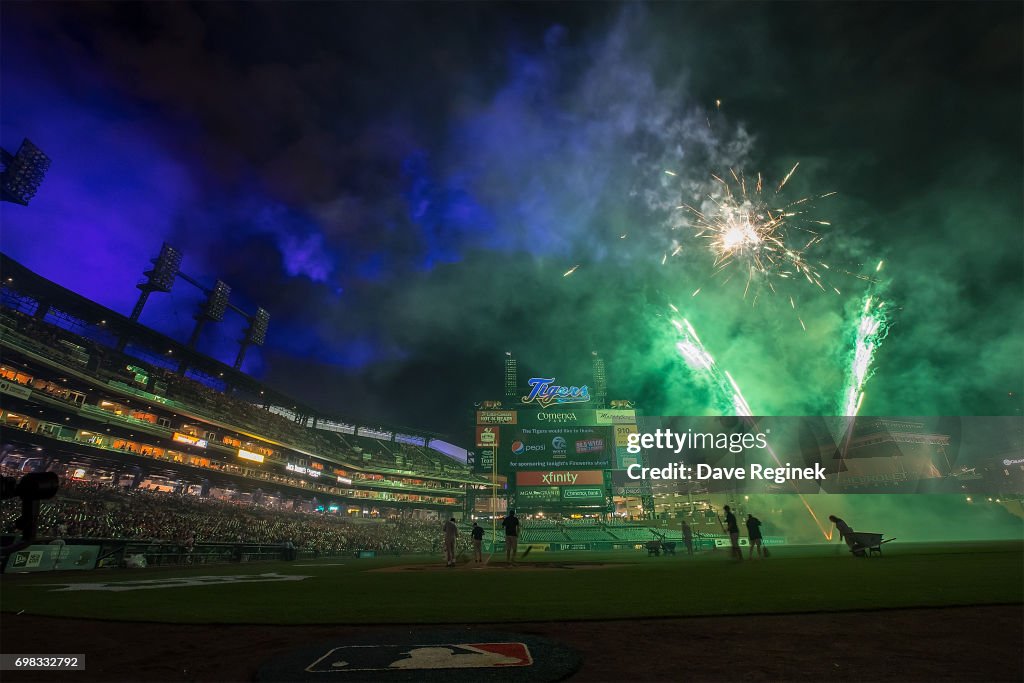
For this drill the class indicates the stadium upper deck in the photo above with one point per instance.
(68, 389)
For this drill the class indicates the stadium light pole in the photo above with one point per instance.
(214, 309)
(160, 278)
(211, 310)
(494, 497)
(23, 173)
(511, 376)
(600, 380)
(255, 335)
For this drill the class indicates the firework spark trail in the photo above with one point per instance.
(729, 396)
(690, 347)
(821, 528)
(871, 329)
(786, 179)
(739, 403)
(753, 232)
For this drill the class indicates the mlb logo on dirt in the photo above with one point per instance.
(362, 658)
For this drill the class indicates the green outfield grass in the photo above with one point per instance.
(794, 579)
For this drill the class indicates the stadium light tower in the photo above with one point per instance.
(158, 279)
(211, 310)
(23, 173)
(511, 376)
(600, 380)
(255, 335)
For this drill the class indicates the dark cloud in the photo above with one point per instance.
(403, 187)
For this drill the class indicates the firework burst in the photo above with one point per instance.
(750, 230)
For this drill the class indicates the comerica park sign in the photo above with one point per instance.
(544, 392)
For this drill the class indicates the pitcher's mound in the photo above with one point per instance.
(502, 565)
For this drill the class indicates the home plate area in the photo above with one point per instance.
(449, 655)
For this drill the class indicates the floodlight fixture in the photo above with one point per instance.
(216, 302)
(159, 278)
(255, 335)
(257, 332)
(23, 173)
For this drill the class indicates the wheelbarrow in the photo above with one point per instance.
(866, 544)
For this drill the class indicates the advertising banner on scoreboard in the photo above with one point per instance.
(485, 460)
(592, 445)
(615, 417)
(623, 458)
(632, 491)
(531, 497)
(496, 417)
(561, 448)
(622, 433)
(537, 494)
(487, 436)
(558, 415)
(585, 495)
(560, 478)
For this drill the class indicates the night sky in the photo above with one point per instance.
(404, 186)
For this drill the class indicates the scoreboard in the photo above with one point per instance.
(558, 457)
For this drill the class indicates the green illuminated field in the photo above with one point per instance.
(630, 585)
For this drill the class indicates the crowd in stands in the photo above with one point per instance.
(262, 475)
(231, 409)
(104, 511)
(89, 510)
(52, 342)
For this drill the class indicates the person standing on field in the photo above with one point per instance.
(478, 539)
(511, 524)
(754, 532)
(734, 533)
(450, 532)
